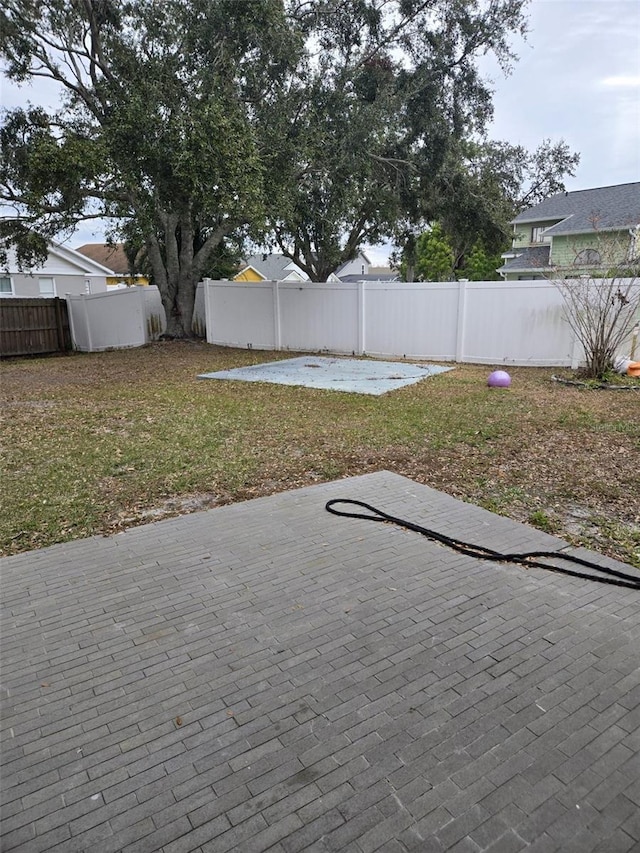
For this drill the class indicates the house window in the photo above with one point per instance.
(6, 288)
(47, 286)
(587, 257)
(536, 234)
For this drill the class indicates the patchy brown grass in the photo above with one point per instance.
(95, 443)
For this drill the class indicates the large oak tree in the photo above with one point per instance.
(155, 129)
(318, 124)
(386, 92)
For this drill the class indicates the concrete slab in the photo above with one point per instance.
(266, 676)
(357, 376)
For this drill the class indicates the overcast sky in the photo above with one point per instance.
(577, 79)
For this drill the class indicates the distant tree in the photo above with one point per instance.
(481, 187)
(433, 257)
(491, 183)
(480, 265)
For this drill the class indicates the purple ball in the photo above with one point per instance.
(499, 379)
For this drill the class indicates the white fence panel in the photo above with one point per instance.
(127, 317)
(320, 317)
(516, 322)
(79, 326)
(486, 322)
(155, 321)
(411, 320)
(101, 321)
(241, 314)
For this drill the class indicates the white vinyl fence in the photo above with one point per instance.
(486, 322)
(128, 317)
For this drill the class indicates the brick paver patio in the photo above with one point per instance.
(266, 676)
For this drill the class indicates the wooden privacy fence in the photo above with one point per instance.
(34, 326)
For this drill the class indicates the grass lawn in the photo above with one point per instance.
(96, 443)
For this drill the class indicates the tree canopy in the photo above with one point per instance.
(384, 95)
(433, 257)
(155, 129)
(480, 188)
(317, 126)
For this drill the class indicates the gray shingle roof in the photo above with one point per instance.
(584, 211)
(369, 277)
(534, 258)
(273, 267)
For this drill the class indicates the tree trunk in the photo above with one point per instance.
(175, 273)
(178, 309)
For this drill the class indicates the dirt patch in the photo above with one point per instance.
(170, 507)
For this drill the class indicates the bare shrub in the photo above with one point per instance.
(601, 313)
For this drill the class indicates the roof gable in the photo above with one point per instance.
(112, 256)
(62, 261)
(359, 257)
(245, 274)
(272, 267)
(586, 211)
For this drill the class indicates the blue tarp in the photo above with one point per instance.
(358, 376)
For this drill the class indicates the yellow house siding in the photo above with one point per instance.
(248, 274)
(127, 279)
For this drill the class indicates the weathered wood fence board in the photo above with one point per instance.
(34, 326)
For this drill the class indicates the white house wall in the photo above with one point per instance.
(28, 285)
(71, 272)
(358, 266)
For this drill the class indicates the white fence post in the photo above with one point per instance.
(208, 318)
(361, 319)
(85, 306)
(72, 322)
(277, 328)
(461, 320)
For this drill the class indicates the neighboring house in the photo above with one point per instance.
(64, 271)
(358, 267)
(113, 257)
(374, 274)
(269, 267)
(575, 233)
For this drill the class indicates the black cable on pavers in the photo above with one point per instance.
(528, 559)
